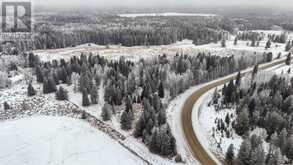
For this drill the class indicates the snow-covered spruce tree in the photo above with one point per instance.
(33, 60)
(154, 130)
(62, 74)
(242, 122)
(129, 107)
(288, 46)
(230, 155)
(39, 74)
(107, 111)
(254, 72)
(288, 59)
(216, 96)
(162, 141)
(30, 90)
(61, 94)
(275, 157)
(223, 43)
(238, 79)
(161, 90)
(268, 44)
(85, 98)
(49, 85)
(6, 106)
(94, 94)
(289, 146)
(235, 40)
(126, 120)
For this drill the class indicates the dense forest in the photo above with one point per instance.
(68, 31)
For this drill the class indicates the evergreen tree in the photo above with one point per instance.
(51, 85)
(229, 90)
(61, 94)
(223, 43)
(180, 65)
(139, 126)
(162, 142)
(128, 106)
(230, 154)
(288, 46)
(288, 59)
(254, 72)
(227, 119)
(238, 79)
(161, 90)
(45, 86)
(257, 156)
(216, 96)
(242, 122)
(106, 112)
(126, 120)
(39, 74)
(289, 148)
(30, 90)
(275, 158)
(253, 42)
(85, 99)
(31, 59)
(6, 106)
(243, 156)
(94, 94)
(235, 40)
(268, 44)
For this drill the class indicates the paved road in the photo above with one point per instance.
(195, 147)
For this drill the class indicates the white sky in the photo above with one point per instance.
(162, 3)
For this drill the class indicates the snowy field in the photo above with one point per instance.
(59, 141)
(185, 47)
(166, 14)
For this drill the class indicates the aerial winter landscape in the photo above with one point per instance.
(162, 82)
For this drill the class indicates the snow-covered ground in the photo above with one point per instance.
(18, 92)
(186, 47)
(132, 143)
(166, 14)
(206, 123)
(47, 140)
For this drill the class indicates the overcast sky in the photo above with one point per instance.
(162, 3)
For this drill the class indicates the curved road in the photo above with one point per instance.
(194, 144)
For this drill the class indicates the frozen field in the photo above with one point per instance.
(58, 141)
(183, 47)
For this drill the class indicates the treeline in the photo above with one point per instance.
(52, 39)
(250, 35)
(127, 32)
(282, 38)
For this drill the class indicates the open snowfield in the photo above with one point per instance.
(58, 140)
(115, 51)
(186, 47)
